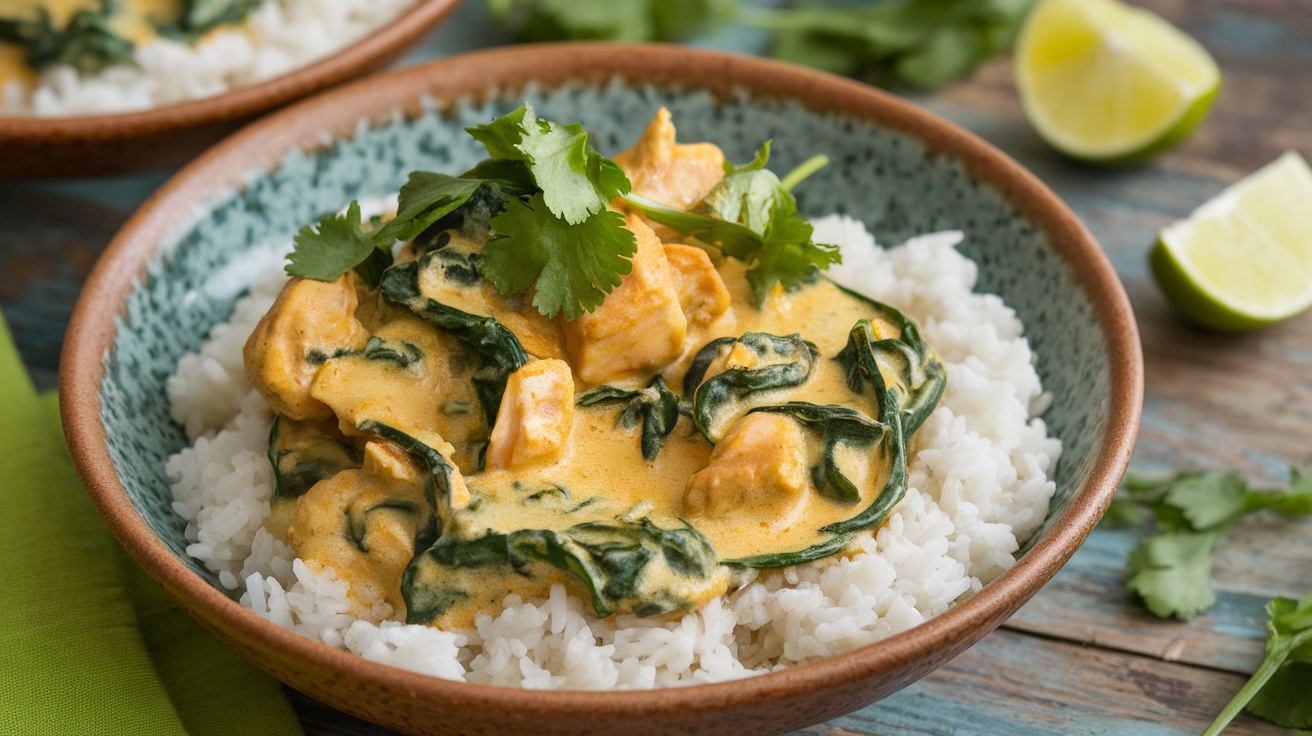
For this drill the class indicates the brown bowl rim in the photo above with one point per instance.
(238, 103)
(261, 144)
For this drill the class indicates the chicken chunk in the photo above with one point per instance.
(759, 471)
(310, 322)
(675, 174)
(537, 411)
(702, 293)
(640, 327)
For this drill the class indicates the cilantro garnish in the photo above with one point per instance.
(553, 232)
(1192, 514)
(575, 180)
(752, 216)
(334, 245)
(530, 250)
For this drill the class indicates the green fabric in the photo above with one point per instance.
(88, 643)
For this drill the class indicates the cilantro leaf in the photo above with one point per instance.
(571, 267)
(1122, 512)
(753, 217)
(501, 137)
(1171, 572)
(576, 181)
(747, 194)
(788, 257)
(425, 199)
(331, 247)
(921, 43)
(1278, 691)
(1193, 513)
(1208, 500)
(615, 20)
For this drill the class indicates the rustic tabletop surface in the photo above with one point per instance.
(1082, 657)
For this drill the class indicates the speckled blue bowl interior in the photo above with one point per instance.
(884, 178)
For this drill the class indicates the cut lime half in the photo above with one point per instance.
(1244, 259)
(1101, 81)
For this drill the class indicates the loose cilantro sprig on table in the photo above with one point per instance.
(616, 20)
(1192, 514)
(553, 234)
(1279, 690)
(920, 43)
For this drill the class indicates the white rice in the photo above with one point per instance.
(279, 36)
(978, 488)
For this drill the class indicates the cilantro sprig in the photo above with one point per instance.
(619, 20)
(918, 43)
(752, 216)
(1278, 690)
(553, 234)
(1192, 514)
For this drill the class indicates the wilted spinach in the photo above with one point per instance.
(655, 407)
(778, 362)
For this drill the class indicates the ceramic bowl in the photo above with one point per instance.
(900, 169)
(169, 136)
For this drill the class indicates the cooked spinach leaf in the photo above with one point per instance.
(655, 407)
(758, 363)
(920, 377)
(624, 564)
(88, 43)
(304, 453)
(439, 483)
(890, 448)
(500, 350)
(202, 16)
(400, 353)
(836, 425)
(359, 523)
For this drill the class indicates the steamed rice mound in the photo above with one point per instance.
(979, 488)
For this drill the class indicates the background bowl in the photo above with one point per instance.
(169, 136)
(901, 170)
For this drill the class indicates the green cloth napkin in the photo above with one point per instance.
(88, 643)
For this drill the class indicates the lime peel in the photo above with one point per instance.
(1243, 259)
(1104, 82)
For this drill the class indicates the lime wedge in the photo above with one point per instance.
(1104, 82)
(1244, 259)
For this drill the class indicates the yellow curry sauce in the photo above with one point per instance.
(647, 454)
(135, 21)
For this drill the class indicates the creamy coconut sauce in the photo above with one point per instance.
(385, 443)
(133, 20)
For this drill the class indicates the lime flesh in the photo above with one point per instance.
(1103, 82)
(1244, 259)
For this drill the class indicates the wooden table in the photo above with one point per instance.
(1082, 657)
